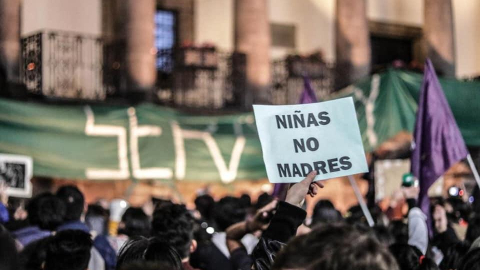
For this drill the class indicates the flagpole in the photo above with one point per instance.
(474, 169)
(362, 203)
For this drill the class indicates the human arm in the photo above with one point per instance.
(417, 229)
(284, 224)
(260, 221)
(411, 196)
(417, 220)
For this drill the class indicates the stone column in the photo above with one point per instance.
(252, 37)
(137, 35)
(10, 39)
(352, 42)
(439, 36)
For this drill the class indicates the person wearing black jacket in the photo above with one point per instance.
(332, 247)
(281, 221)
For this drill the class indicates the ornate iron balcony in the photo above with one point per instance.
(287, 78)
(76, 67)
(201, 78)
(63, 65)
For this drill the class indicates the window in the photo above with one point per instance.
(165, 38)
(385, 50)
(390, 42)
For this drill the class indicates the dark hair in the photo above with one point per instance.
(399, 230)
(148, 266)
(473, 230)
(69, 249)
(34, 254)
(383, 235)
(263, 200)
(158, 202)
(8, 251)
(471, 261)
(149, 250)
(246, 200)
(74, 200)
(325, 212)
(335, 247)
(453, 256)
(205, 205)
(46, 211)
(228, 211)
(173, 223)
(355, 215)
(408, 257)
(135, 223)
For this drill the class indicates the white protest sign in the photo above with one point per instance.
(297, 139)
(16, 172)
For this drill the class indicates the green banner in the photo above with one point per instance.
(142, 142)
(151, 142)
(386, 104)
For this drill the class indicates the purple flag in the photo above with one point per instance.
(438, 143)
(308, 96)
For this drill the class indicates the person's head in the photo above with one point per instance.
(471, 261)
(334, 247)
(69, 249)
(205, 205)
(228, 211)
(325, 212)
(399, 230)
(473, 230)
(74, 201)
(173, 224)
(34, 254)
(96, 219)
(46, 211)
(246, 200)
(152, 250)
(408, 257)
(134, 223)
(158, 202)
(383, 235)
(148, 266)
(453, 256)
(263, 200)
(355, 215)
(8, 251)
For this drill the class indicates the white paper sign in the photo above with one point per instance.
(297, 139)
(16, 172)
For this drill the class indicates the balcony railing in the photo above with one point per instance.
(287, 78)
(77, 67)
(201, 78)
(63, 65)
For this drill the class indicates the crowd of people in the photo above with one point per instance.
(59, 232)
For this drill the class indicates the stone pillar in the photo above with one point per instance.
(10, 39)
(352, 42)
(137, 36)
(439, 36)
(252, 37)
